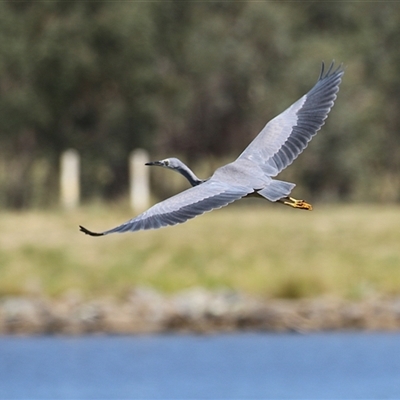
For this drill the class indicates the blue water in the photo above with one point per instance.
(237, 366)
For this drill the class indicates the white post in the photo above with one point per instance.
(69, 179)
(139, 180)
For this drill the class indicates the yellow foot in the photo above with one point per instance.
(290, 201)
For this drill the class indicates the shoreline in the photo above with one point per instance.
(146, 311)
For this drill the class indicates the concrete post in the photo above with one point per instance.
(69, 179)
(139, 180)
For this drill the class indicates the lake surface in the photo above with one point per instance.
(236, 366)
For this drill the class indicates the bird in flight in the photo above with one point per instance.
(274, 148)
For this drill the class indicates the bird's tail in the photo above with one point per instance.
(276, 190)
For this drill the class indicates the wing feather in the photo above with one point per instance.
(190, 203)
(288, 134)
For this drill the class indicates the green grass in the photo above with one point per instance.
(256, 247)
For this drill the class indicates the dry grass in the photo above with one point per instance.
(260, 248)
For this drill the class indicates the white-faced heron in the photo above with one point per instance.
(275, 147)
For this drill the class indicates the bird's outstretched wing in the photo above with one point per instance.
(181, 207)
(288, 134)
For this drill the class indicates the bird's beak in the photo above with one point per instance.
(158, 163)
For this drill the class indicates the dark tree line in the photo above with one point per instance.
(194, 79)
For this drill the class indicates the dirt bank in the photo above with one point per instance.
(195, 310)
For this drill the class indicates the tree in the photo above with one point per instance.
(193, 79)
(66, 82)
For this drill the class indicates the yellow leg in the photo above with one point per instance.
(290, 201)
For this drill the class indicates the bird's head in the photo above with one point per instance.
(171, 163)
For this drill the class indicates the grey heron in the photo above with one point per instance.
(277, 145)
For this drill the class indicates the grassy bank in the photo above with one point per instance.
(259, 248)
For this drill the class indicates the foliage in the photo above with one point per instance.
(197, 79)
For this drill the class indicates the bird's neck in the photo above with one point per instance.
(191, 177)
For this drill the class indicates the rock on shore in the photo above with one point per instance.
(195, 310)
